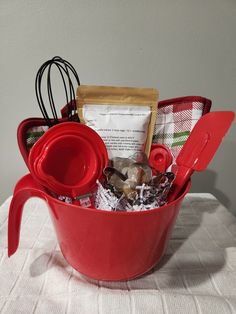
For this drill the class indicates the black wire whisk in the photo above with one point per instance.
(68, 74)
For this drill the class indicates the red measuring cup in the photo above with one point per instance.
(69, 165)
(68, 159)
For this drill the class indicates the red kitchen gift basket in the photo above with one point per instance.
(101, 244)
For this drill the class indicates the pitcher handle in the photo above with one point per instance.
(25, 188)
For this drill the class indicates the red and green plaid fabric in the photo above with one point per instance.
(175, 120)
(33, 134)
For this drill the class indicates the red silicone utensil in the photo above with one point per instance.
(160, 157)
(200, 147)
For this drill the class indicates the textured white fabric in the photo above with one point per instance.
(197, 274)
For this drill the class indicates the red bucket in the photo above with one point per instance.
(100, 244)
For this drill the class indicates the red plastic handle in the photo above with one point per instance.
(25, 189)
(182, 176)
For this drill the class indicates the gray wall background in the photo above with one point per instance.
(182, 47)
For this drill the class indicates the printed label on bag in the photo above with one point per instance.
(122, 128)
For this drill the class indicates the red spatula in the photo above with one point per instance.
(200, 147)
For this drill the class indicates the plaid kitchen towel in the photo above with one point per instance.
(34, 133)
(176, 118)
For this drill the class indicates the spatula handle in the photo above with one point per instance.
(182, 175)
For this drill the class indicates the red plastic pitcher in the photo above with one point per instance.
(100, 244)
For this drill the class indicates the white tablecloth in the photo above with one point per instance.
(197, 275)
